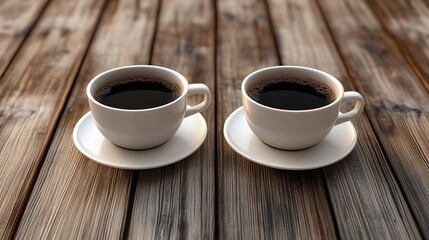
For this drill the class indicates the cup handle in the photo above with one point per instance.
(198, 88)
(351, 96)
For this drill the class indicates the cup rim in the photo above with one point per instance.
(302, 68)
(179, 76)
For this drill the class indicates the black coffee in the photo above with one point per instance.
(291, 93)
(138, 93)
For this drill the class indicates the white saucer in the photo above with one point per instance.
(334, 147)
(185, 141)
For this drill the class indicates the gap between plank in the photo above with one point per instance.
(273, 33)
(130, 206)
(331, 207)
(152, 48)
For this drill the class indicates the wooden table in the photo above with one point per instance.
(50, 49)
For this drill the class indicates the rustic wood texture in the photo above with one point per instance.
(380, 209)
(33, 91)
(17, 17)
(407, 22)
(255, 202)
(396, 100)
(75, 198)
(178, 201)
(50, 49)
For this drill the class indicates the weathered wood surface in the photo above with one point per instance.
(380, 209)
(75, 198)
(33, 91)
(17, 19)
(407, 22)
(257, 202)
(50, 49)
(396, 99)
(178, 201)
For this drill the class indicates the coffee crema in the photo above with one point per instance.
(289, 93)
(138, 93)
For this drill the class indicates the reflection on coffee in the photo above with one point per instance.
(291, 93)
(138, 93)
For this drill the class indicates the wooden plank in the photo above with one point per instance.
(396, 100)
(366, 200)
(33, 92)
(407, 22)
(75, 198)
(178, 201)
(17, 17)
(257, 202)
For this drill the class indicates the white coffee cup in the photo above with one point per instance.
(296, 129)
(143, 128)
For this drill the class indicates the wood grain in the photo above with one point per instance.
(74, 197)
(33, 91)
(49, 190)
(407, 23)
(257, 202)
(178, 201)
(17, 18)
(396, 100)
(380, 209)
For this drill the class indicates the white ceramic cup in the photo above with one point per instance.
(143, 128)
(296, 129)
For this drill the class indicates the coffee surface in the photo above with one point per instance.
(138, 93)
(291, 93)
